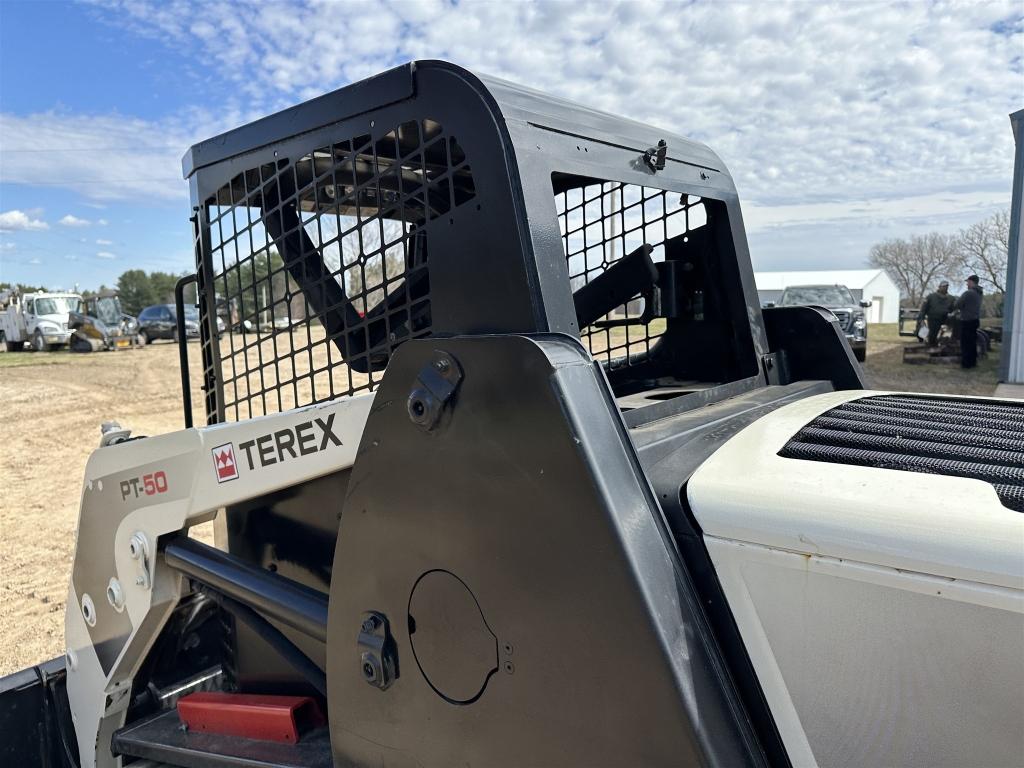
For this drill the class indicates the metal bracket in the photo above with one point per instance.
(774, 366)
(138, 547)
(655, 156)
(434, 387)
(113, 433)
(378, 657)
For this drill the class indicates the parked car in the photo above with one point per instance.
(840, 301)
(160, 322)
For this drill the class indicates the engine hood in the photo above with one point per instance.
(850, 475)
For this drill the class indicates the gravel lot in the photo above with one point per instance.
(52, 408)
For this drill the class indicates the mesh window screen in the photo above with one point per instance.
(319, 267)
(601, 223)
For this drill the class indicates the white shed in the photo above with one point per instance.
(872, 285)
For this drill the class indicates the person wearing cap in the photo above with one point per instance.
(969, 305)
(935, 309)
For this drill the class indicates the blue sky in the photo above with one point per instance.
(843, 125)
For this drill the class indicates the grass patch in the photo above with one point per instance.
(885, 369)
(21, 359)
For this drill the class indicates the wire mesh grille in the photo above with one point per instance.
(318, 267)
(600, 223)
(935, 435)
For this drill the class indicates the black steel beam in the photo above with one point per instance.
(179, 321)
(270, 595)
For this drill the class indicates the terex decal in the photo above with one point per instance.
(224, 463)
(291, 442)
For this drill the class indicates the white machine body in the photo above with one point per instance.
(883, 610)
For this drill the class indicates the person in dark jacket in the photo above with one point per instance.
(935, 309)
(969, 305)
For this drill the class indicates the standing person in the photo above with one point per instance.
(935, 308)
(969, 305)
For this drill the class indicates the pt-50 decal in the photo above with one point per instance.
(147, 485)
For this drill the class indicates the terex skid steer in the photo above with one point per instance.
(507, 467)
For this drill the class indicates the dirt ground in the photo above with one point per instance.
(52, 405)
(51, 408)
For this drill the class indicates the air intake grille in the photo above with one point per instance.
(943, 436)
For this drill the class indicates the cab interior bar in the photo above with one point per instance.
(270, 595)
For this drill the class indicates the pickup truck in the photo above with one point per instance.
(837, 299)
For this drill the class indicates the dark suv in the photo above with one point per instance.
(158, 322)
(840, 301)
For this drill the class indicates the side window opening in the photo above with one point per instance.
(655, 284)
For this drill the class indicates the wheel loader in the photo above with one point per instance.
(530, 479)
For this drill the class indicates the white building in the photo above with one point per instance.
(872, 285)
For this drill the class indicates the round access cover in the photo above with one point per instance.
(454, 648)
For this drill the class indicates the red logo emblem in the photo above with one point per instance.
(224, 463)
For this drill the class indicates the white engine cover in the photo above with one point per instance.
(883, 610)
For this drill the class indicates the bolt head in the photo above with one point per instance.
(371, 670)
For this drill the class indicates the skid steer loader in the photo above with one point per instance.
(529, 479)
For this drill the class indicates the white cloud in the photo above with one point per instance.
(847, 105)
(14, 221)
(102, 222)
(71, 257)
(144, 169)
(802, 100)
(34, 260)
(73, 221)
(105, 255)
(101, 241)
(7, 246)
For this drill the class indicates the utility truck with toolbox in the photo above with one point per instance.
(534, 480)
(38, 319)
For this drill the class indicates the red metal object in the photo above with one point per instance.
(269, 718)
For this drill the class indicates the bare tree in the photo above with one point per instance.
(982, 248)
(917, 264)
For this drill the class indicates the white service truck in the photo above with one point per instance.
(40, 319)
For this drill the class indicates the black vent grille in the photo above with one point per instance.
(944, 436)
(315, 267)
(600, 223)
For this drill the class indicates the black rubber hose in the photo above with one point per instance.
(1005, 410)
(912, 429)
(959, 416)
(991, 473)
(930, 448)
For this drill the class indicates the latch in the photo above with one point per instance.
(655, 156)
(434, 387)
(378, 657)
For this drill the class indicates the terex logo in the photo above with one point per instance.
(300, 440)
(224, 463)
